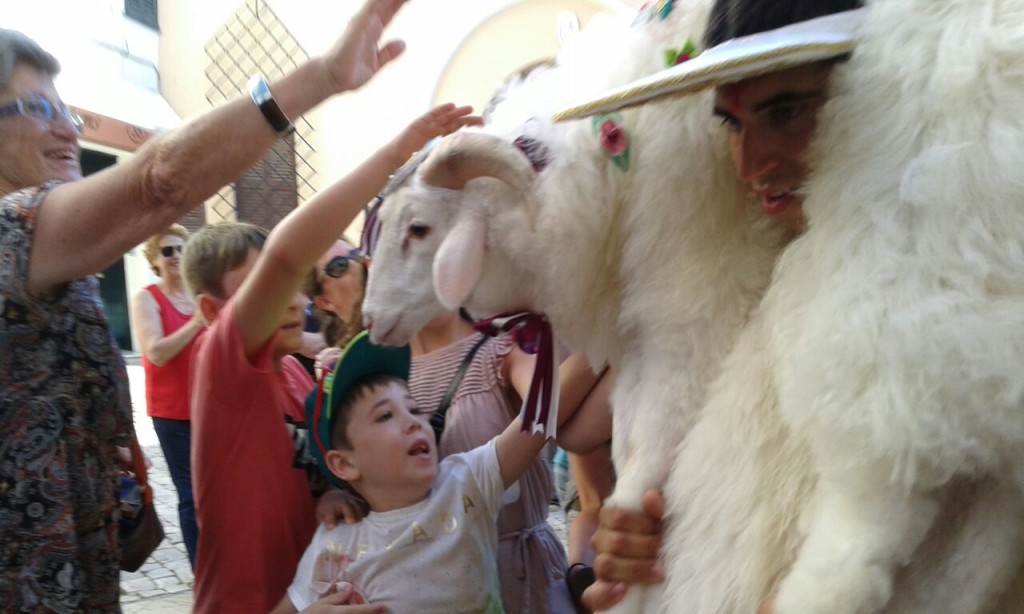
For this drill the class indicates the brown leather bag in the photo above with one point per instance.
(140, 531)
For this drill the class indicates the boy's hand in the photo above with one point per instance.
(627, 545)
(337, 503)
(337, 603)
(439, 121)
(357, 56)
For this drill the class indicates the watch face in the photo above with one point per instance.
(259, 90)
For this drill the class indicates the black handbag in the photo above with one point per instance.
(140, 531)
(437, 420)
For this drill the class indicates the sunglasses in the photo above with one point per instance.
(337, 267)
(41, 109)
(168, 250)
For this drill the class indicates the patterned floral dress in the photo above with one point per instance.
(64, 407)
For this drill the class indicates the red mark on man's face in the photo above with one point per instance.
(733, 95)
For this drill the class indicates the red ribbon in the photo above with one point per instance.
(532, 333)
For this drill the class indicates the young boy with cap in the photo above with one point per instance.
(430, 541)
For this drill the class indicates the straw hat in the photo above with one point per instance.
(741, 58)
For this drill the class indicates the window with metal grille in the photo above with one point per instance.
(254, 41)
(142, 11)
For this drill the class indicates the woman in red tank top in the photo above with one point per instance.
(166, 325)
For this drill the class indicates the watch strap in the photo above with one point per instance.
(265, 102)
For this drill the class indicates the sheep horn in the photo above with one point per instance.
(464, 156)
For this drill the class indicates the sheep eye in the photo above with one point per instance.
(419, 230)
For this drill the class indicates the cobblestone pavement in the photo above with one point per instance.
(166, 578)
(163, 585)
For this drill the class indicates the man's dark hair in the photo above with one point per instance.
(734, 18)
(343, 410)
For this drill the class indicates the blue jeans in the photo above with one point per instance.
(176, 442)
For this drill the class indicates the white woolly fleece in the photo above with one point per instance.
(897, 320)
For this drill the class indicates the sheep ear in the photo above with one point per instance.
(459, 262)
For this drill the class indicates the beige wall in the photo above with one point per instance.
(447, 56)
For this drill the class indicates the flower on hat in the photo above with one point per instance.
(685, 53)
(613, 138)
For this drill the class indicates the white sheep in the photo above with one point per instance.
(654, 269)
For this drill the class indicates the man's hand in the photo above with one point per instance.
(627, 545)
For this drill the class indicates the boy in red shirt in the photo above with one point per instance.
(255, 510)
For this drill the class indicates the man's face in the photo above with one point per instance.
(772, 119)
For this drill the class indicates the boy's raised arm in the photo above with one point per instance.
(298, 241)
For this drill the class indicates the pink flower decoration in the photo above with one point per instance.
(613, 138)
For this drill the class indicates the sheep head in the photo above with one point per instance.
(441, 237)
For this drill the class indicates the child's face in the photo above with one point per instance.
(289, 337)
(393, 448)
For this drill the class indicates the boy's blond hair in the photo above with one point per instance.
(216, 250)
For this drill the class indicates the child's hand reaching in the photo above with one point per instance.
(439, 121)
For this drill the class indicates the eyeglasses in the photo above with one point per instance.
(337, 266)
(168, 250)
(39, 108)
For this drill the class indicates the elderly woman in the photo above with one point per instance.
(166, 324)
(64, 405)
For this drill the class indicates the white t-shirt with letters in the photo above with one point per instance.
(437, 556)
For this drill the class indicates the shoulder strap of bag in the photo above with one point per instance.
(438, 419)
(139, 468)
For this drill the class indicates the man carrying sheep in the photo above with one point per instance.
(772, 119)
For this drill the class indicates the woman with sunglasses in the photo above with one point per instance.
(336, 287)
(166, 325)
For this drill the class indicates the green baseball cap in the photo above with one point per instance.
(359, 359)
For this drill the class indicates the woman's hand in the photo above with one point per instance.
(357, 56)
(326, 359)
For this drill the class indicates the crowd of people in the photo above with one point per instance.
(416, 513)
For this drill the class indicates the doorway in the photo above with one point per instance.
(113, 290)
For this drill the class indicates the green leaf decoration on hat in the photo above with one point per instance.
(651, 10)
(666, 9)
(613, 138)
(685, 53)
